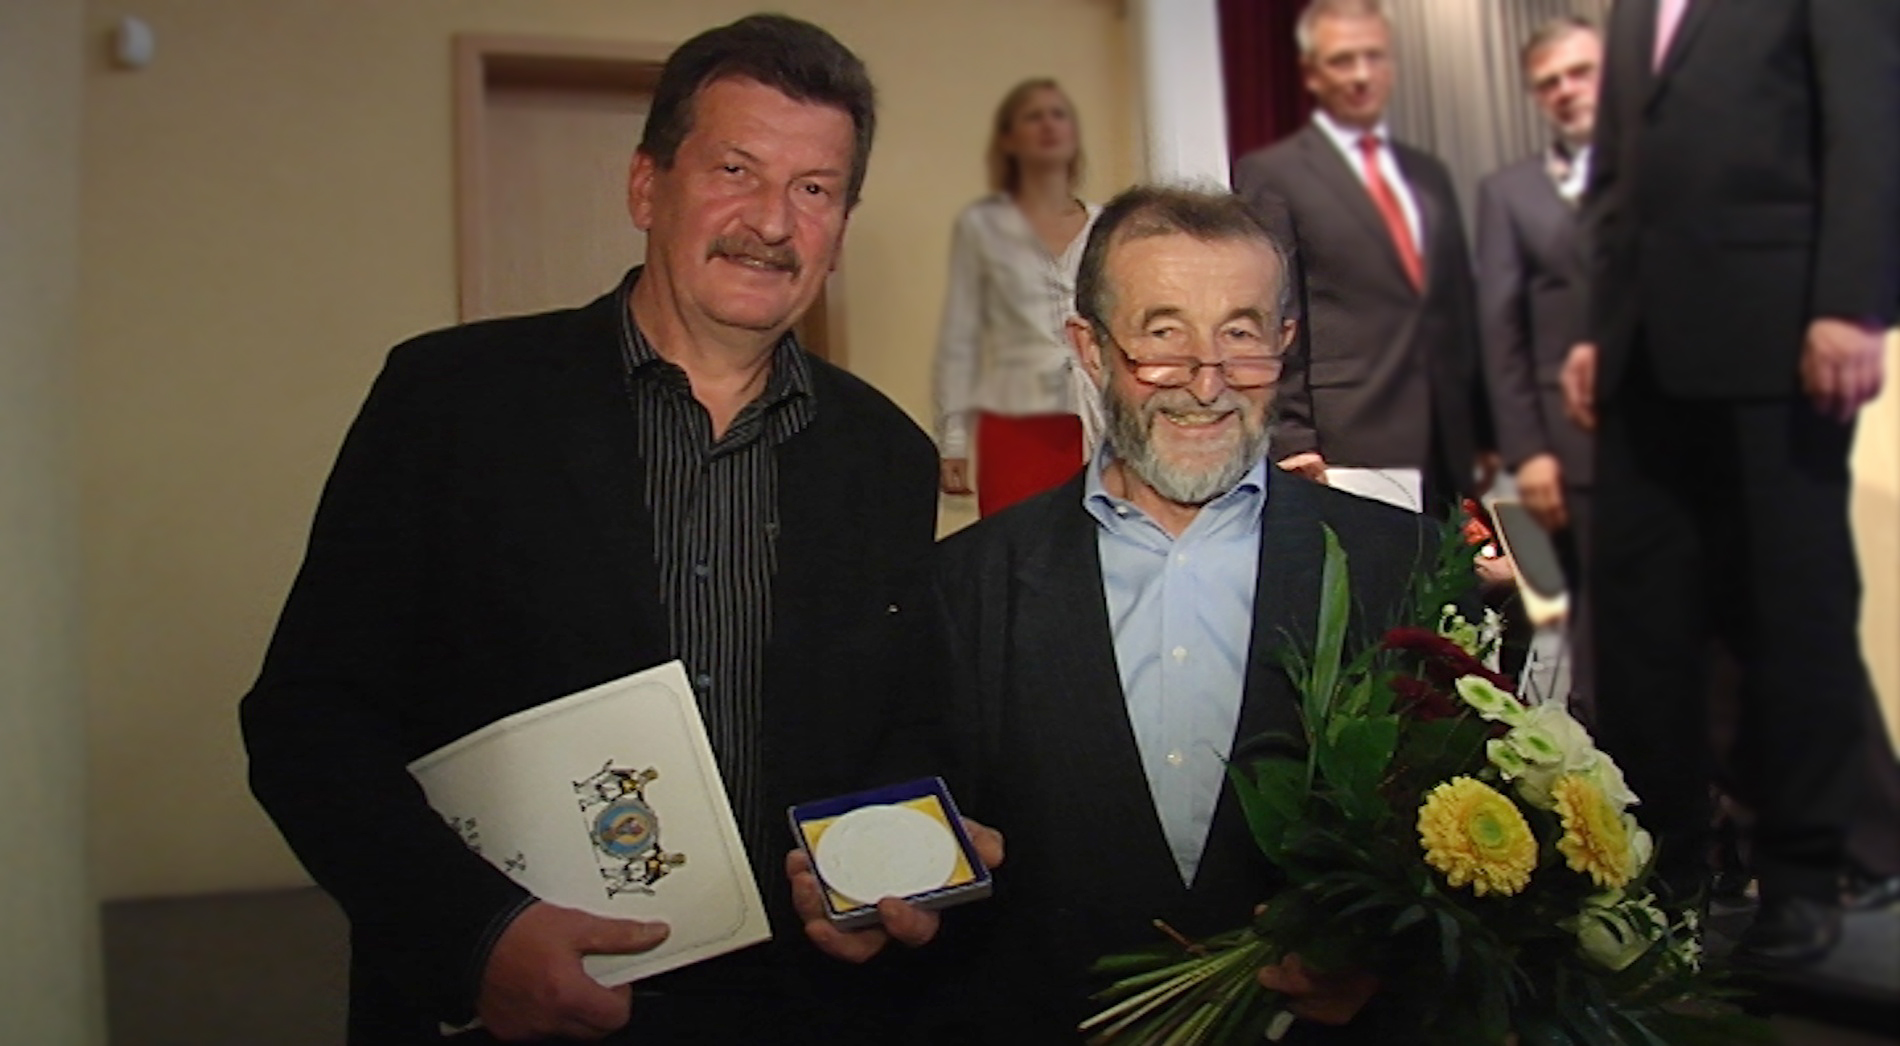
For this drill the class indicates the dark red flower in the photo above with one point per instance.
(1443, 661)
(1421, 699)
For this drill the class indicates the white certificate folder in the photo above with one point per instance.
(610, 801)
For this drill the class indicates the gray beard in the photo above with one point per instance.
(1129, 431)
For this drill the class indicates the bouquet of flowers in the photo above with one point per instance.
(1475, 854)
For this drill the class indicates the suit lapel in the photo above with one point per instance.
(1330, 169)
(1062, 622)
(1286, 602)
(1687, 30)
(1431, 215)
(600, 452)
(1545, 216)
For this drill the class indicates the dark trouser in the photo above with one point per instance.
(1730, 518)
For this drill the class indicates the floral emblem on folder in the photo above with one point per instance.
(624, 829)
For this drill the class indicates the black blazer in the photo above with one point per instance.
(1531, 298)
(1749, 187)
(1385, 364)
(1050, 759)
(483, 546)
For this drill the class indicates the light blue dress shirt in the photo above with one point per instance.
(1181, 611)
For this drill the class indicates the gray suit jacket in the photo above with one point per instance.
(1386, 364)
(1531, 300)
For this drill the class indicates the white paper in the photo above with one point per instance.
(1404, 487)
(610, 801)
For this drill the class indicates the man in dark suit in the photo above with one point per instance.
(1745, 210)
(527, 507)
(1115, 638)
(1531, 299)
(1389, 335)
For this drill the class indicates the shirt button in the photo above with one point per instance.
(1179, 653)
(1175, 758)
(703, 681)
(1180, 557)
(701, 569)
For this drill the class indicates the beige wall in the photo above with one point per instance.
(268, 207)
(1877, 532)
(49, 981)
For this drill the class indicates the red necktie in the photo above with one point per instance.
(1388, 203)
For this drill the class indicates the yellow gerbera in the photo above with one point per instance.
(1596, 837)
(1475, 835)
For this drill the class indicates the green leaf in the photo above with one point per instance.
(1271, 794)
(1136, 962)
(1362, 752)
(1143, 981)
(1632, 1028)
(1247, 1014)
(1448, 935)
(1724, 1030)
(1537, 1031)
(1408, 918)
(1335, 601)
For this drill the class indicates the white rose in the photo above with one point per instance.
(1642, 845)
(1603, 771)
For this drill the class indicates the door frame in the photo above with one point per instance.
(483, 60)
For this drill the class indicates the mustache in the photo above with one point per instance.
(1181, 401)
(751, 248)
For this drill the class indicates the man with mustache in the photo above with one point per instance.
(1111, 641)
(528, 507)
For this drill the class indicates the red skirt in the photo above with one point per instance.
(1018, 457)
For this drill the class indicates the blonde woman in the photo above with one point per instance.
(1004, 393)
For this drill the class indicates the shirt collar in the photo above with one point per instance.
(791, 371)
(1569, 169)
(1347, 138)
(1112, 513)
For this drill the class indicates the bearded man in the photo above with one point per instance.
(1114, 640)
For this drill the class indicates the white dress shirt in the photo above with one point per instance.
(1001, 346)
(1569, 171)
(1346, 140)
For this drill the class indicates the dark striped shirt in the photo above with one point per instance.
(714, 505)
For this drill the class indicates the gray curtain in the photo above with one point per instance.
(1460, 94)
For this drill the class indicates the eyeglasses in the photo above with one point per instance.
(1239, 372)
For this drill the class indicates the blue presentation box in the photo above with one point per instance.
(969, 881)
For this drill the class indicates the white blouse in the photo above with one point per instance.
(1001, 346)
